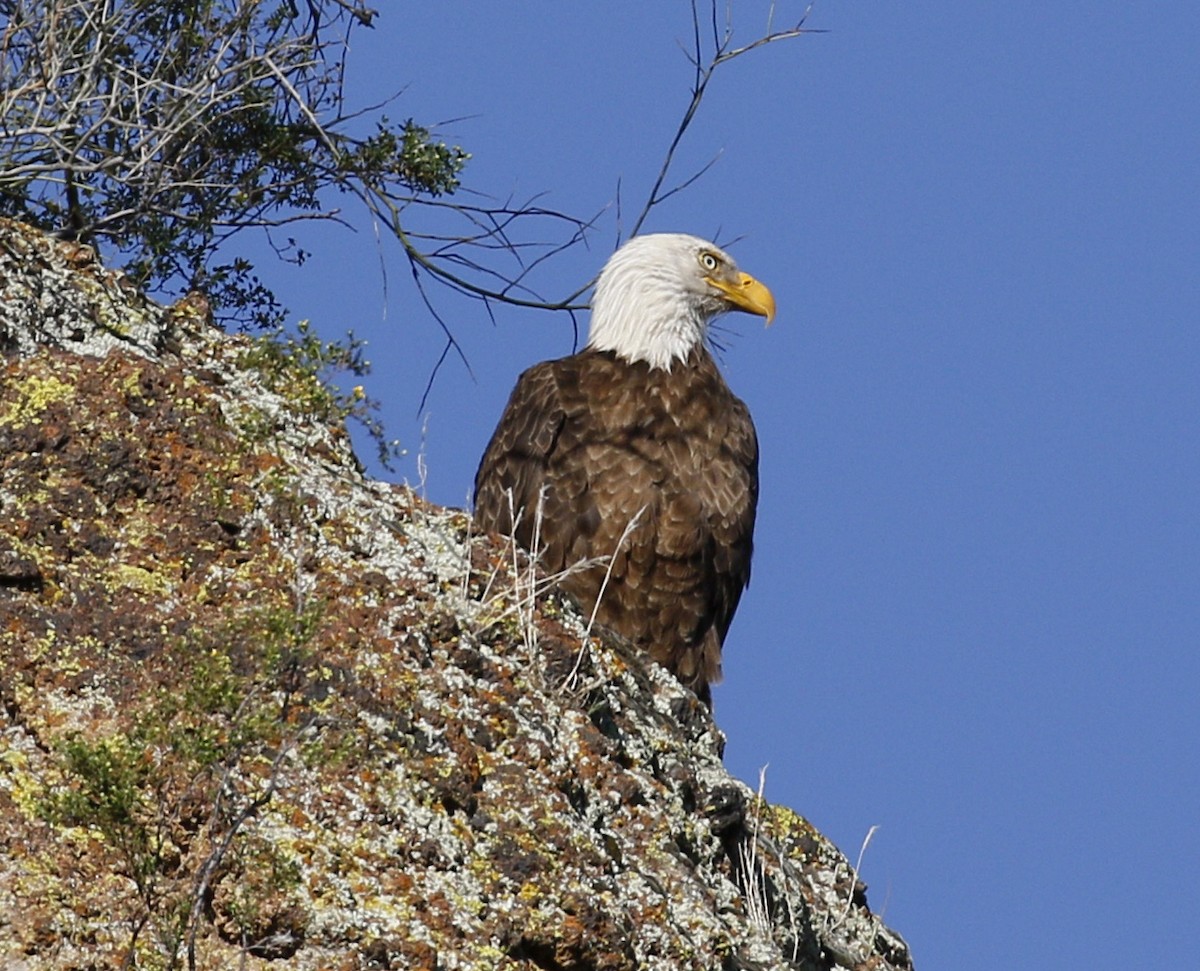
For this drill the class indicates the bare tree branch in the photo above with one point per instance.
(705, 66)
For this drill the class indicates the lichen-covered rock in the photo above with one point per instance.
(259, 711)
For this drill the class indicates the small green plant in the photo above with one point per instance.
(301, 367)
(110, 782)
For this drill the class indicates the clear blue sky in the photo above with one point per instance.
(975, 613)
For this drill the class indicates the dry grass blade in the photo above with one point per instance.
(754, 887)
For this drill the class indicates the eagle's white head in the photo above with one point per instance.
(657, 293)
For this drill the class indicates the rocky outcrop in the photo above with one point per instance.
(260, 711)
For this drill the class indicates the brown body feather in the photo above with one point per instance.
(605, 440)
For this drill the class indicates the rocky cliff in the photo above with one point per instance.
(258, 710)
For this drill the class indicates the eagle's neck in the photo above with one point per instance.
(645, 317)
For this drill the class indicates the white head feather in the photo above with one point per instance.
(658, 293)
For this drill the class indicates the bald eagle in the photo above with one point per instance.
(639, 428)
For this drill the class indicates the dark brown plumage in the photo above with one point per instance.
(604, 440)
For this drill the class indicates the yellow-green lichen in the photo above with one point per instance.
(42, 646)
(22, 785)
(786, 822)
(126, 576)
(34, 396)
(131, 383)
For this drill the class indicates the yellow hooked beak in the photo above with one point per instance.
(746, 293)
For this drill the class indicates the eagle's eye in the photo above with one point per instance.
(709, 261)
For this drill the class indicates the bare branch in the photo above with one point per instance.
(723, 52)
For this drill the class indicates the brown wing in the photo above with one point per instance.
(734, 503)
(521, 475)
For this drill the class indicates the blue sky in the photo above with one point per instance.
(975, 613)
